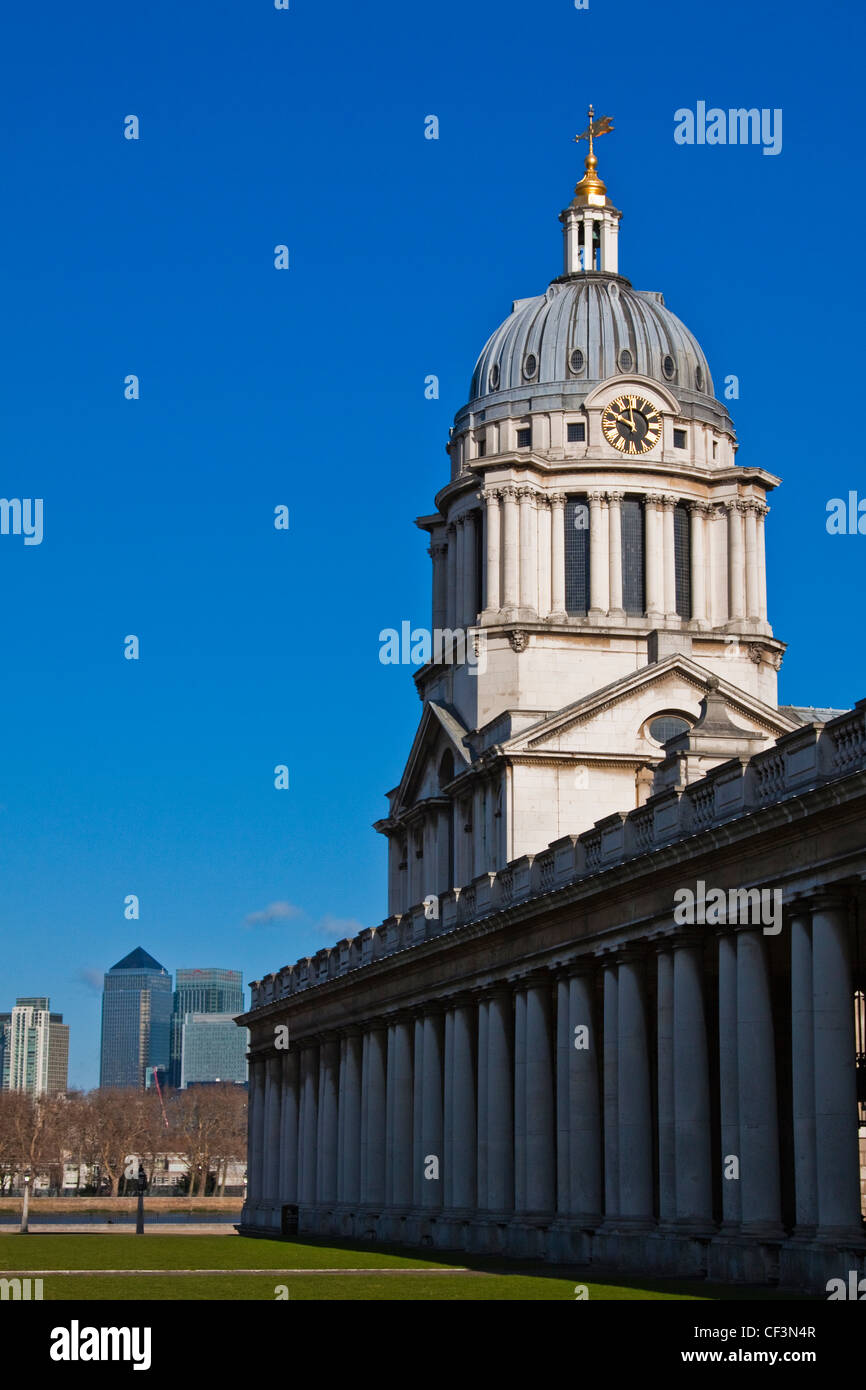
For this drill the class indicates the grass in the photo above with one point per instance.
(232, 1255)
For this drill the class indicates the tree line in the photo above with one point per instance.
(98, 1131)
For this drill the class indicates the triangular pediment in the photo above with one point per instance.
(439, 732)
(611, 721)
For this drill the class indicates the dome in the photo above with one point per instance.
(585, 329)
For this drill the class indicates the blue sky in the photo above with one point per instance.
(306, 388)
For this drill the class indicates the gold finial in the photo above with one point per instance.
(591, 189)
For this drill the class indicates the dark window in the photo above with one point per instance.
(682, 564)
(479, 564)
(577, 555)
(699, 378)
(667, 726)
(668, 366)
(576, 361)
(482, 448)
(680, 439)
(524, 438)
(715, 449)
(530, 366)
(633, 592)
(626, 361)
(576, 434)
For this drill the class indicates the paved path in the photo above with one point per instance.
(127, 1228)
(135, 1273)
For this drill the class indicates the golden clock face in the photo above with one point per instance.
(631, 424)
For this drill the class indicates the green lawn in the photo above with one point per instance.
(237, 1260)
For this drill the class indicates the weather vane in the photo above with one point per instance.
(602, 126)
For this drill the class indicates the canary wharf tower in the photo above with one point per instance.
(558, 1044)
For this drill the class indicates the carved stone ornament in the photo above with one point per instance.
(518, 639)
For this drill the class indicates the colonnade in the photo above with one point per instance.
(525, 558)
(590, 1096)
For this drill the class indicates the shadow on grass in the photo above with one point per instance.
(581, 1274)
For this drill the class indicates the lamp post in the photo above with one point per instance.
(142, 1186)
(24, 1228)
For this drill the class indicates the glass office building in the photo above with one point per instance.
(206, 991)
(136, 1020)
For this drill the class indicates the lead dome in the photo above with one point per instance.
(587, 329)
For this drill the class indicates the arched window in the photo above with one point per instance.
(446, 768)
(633, 583)
(577, 556)
(682, 559)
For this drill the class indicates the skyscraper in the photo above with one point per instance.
(136, 1020)
(206, 992)
(213, 1048)
(34, 1048)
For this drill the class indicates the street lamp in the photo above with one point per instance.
(24, 1228)
(142, 1187)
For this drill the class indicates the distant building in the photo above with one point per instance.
(213, 1048)
(136, 1020)
(208, 991)
(34, 1048)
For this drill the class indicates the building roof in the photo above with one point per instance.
(585, 329)
(139, 960)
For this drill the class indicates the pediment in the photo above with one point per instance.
(612, 721)
(440, 733)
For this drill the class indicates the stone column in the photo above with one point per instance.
(563, 1069)
(471, 599)
(374, 1185)
(835, 1073)
(439, 554)
(729, 1085)
(309, 1122)
(326, 1186)
(599, 563)
(691, 1088)
(803, 1073)
(633, 1092)
(289, 1134)
(500, 1111)
(751, 565)
(256, 1130)
(446, 1166)
(451, 573)
(350, 1119)
(540, 1132)
(669, 568)
(557, 555)
(762, 563)
(584, 1117)
(462, 1108)
(542, 504)
(418, 1181)
(698, 515)
(520, 1097)
(528, 552)
(666, 1118)
(491, 499)
(482, 1102)
(460, 575)
(756, 1068)
(432, 1116)
(273, 1126)
(653, 562)
(611, 1098)
(736, 562)
(510, 551)
(398, 1143)
(614, 505)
